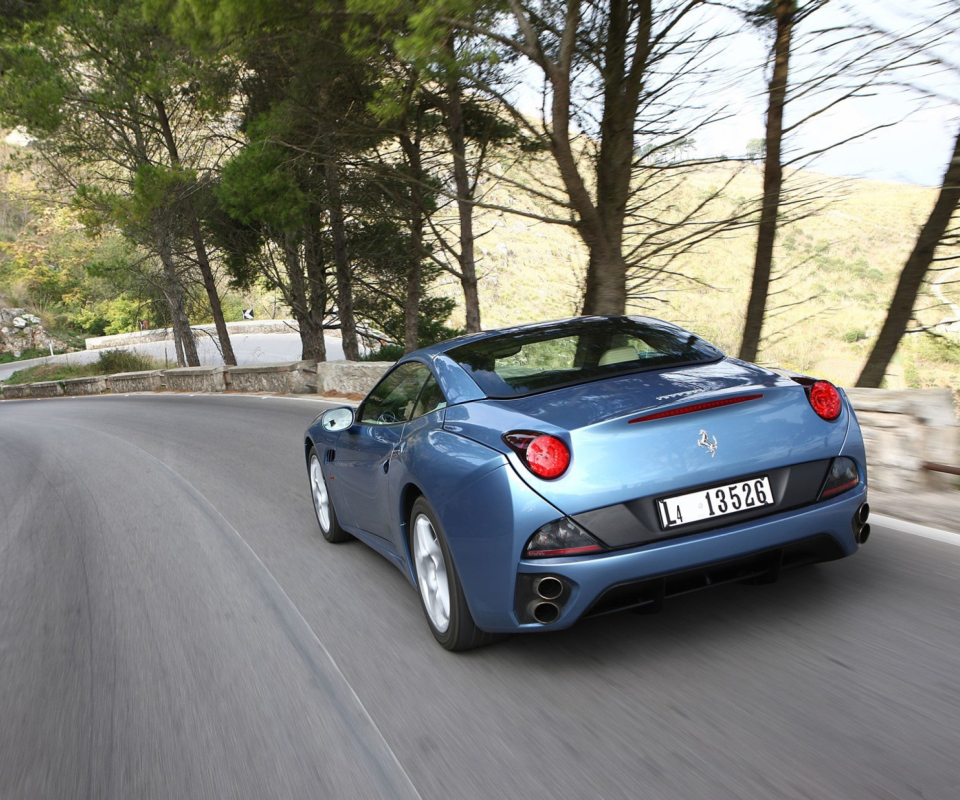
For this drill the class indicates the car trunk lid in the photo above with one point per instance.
(727, 419)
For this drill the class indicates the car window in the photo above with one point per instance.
(393, 400)
(431, 398)
(521, 362)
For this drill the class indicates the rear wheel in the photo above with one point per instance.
(323, 503)
(441, 594)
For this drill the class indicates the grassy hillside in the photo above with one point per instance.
(836, 272)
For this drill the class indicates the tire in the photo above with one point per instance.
(323, 503)
(441, 595)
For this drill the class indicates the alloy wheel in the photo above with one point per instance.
(431, 573)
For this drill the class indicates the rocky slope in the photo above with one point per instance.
(20, 331)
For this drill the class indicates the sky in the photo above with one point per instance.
(915, 150)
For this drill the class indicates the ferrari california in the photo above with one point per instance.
(528, 477)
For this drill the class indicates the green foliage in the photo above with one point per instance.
(107, 317)
(433, 327)
(855, 335)
(260, 185)
(936, 347)
(386, 352)
(73, 280)
(26, 355)
(109, 362)
(112, 362)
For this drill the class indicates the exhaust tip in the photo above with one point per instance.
(863, 513)
(549, 588)
(545, 613)
(863, 534)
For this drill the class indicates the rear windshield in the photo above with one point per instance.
(575, 351)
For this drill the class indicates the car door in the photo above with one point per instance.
(364, 453)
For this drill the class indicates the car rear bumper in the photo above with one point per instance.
(644, 575)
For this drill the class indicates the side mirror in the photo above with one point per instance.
(337, 419)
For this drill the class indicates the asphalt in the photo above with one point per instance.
(173, 625)
(249, 348)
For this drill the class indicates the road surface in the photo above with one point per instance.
(249, 348)
(173, 626)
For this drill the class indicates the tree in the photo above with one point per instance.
(300, 79)
(617, 79)
(270, 201)
(108, 94)
(900, 312)
(842, 61)
(784, 14)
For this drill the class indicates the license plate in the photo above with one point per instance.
(717, 501)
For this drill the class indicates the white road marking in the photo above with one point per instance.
(916, 530)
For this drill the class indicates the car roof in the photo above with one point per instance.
(450, 344)
(456, 383)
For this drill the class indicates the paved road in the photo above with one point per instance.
(249, 348)
(172, 625)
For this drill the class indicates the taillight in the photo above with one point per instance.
(825, 400)
(563, 537)
(842, 477)
(544, 455)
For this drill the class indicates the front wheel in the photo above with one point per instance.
(441, 594)
(323, 503)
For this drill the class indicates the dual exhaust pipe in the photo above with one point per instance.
(546, 610)
(861, 530)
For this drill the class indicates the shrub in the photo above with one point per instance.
(855, 335)
(387, 352)
(112, 362)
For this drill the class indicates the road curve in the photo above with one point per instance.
(172, 625)
(249, 348)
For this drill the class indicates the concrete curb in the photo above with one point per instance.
(915, 529)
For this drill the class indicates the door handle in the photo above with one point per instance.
(386, 466)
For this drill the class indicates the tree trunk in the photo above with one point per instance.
(600, 221)
(458, 149)
(296, 296)
(183, 335)
(411, 309)
(606, 288)
(348, 325)
(209, 284)
(911, 278)
(313, 340)
(772, 183)
(178, 343)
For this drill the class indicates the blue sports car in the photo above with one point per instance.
(527, 477)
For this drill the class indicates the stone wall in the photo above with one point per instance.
(195, 379)
(79, 386)
(46, 389)
(299, 377)
(16, 390)
(349, 378)
(125, 382)
(904, 429)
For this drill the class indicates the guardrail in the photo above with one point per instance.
(945, 468)
(331, 378)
